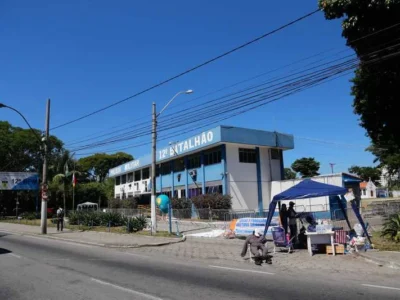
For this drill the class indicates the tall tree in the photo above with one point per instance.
(306, 166)
(370, 26)
(366, 172)
(99, 164)
(289, 174)
(21, 151)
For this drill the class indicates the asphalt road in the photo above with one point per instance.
(39, 268)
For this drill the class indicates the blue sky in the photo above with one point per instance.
(87, 54)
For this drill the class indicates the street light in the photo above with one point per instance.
(2, 105)
(43, 219)
(153, 165)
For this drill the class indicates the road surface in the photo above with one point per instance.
(33, 267)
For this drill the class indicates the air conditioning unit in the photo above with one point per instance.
(193, 173)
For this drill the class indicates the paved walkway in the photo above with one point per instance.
(104, 239)
(222, 250)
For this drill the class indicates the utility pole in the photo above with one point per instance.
(153, 164)
(332, 164)
(153, 171)
(43, 223)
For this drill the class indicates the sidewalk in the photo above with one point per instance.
(389, 259)
(103, 239)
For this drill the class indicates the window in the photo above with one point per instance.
(216, 189)
(158, 167)
(275, 154)
(138, 176)
(364, 192)
(117, 180)
(166, 168)
(179, 165)
(194, 192)
(194, 161)
(130, 177)
(168, 193)
(175, 194)
(247, 155)
(183, 193)
(123, 179)
(146, 173)
(212, 156)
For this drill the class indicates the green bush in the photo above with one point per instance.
(130, 203)
(181, 208)
(28, 215)
(135, 224)
(391, 228)
(114, 203)
(96, 218)
(212, 206)
(212, 201)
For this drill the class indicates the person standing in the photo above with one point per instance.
(60, 219)
(283, 214)
(292, 220)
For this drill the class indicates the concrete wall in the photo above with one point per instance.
(242, 179)
(310, 204)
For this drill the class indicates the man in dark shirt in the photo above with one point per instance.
(257, 242)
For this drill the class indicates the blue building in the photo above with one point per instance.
(230, 160)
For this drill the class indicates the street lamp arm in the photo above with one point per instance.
(169, 102)
(173, 98)
(26, 121)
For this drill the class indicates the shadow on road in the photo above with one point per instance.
(4, 251)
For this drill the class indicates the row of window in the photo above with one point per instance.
(194, 191)
(249, 155)
(133, 176)
(212, 156)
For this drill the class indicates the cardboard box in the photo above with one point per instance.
(339, 249)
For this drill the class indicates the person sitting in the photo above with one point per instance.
(257, 242)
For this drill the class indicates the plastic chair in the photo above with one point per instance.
(280, 241)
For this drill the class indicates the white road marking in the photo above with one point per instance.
(382, 287)
(15, 255)
(147, 296)
(241, 270)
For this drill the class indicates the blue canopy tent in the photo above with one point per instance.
(310, 189)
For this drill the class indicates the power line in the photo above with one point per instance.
(307, 85)
(235, 84)
(191, 69)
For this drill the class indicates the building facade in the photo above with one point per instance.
(240, 162)
(368, 190)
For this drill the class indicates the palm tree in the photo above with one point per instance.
(61, 170)
(391, 227)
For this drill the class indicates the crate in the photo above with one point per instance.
(339, 249)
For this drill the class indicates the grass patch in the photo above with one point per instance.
(384, 244)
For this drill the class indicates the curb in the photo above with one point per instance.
(379, 262)
(98, 244)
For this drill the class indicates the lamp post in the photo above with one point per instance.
(43, 221)
(153, 165)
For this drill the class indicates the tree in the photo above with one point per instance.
(306, 166)
(366, 173)
(289, 174)
(99, 164)
(368, 26)
(21, 151)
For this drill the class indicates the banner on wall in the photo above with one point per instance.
(18, 181)
(246, 226)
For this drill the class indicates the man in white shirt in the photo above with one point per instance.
(60, 219)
